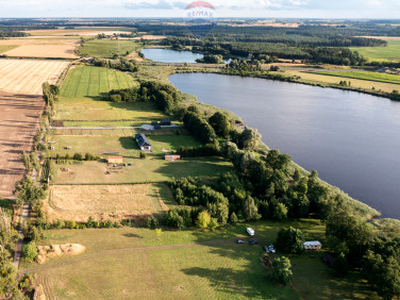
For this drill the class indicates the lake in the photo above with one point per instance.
(351, 139)
(172, 56)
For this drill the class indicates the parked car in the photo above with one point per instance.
(250, 231)
(253, 242)
(241, 242)
(269, 249)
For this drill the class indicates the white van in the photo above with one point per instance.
(250, 231)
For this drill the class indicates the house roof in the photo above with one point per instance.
(115, 157)
(312, 243)
(142, 140)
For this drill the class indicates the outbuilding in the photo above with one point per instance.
(172, 157)
(115, 160)
(312, 245)
(143, 142)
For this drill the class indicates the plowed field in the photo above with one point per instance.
(18, 125)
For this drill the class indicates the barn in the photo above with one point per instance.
(143, 142)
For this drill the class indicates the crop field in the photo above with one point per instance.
(18, 125)
(389, 53)
(40, 47)
(27, 76)
(326, 79)
(151, 169)
(371, 76)
(107, 48)
(79, 31)
(136, 263)
(103, 202)
(125, 146)
(93, 81)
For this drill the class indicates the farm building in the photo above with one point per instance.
(312, 245)
(143, 142)
(165, 122)
(115, 160)
(172, 157)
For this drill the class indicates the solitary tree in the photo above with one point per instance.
(281, 272)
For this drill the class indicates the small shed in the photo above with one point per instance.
(312, 245)
(115, 160)
(172, 157)
(165, 122)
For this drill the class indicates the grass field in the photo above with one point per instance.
(93, 81)
(107, 48)
(126, 146)
(104, 202)
(389, 53)
(136, 263)
(371, 76)
(5, 48)
(142, 171)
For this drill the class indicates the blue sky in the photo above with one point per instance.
(225, 8)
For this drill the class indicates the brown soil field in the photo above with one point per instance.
(35, 47)
(27, 76)
(18, 125)
(102, 202)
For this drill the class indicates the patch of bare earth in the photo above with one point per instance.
(46, 252)
(18, 125)
(102, 202)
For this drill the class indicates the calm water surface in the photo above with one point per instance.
(351, 139)
(172, 56)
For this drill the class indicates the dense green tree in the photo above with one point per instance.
(281, 272)
(203, 220)
(340, 265)
(221, 124)
(250, 139)
(280, 211)
(250, 209)
(290, 240)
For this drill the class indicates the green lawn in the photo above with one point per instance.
(107, 48)
(363, 75)
(126, 146)
(94, 81)
(389, 53)
(5, 48)
(152, 169)
(136, 263)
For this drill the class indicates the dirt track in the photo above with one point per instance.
(18, 125)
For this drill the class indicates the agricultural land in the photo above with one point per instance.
(118, 210)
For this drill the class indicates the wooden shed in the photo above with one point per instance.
(115, 160)
(172, 157)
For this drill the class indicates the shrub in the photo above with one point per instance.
(77, 156)
(152, 222)
(143, 155)
(30, 251)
